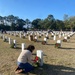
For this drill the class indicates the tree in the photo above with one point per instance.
(60, 25)
(50, 18)
(66, 22)
(69, 22)
(7, 27)
(72, 22)
(1, 17)
(12, 26)
(20, 23)
(27, 22)
(36, 23)
(49, 22)
(2, 26)
(65, 17)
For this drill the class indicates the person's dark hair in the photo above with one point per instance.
(30, 48)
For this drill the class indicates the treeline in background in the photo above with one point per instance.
(14, 23)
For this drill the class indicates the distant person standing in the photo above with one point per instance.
(5, 31)
(24, 60)
(1, 30)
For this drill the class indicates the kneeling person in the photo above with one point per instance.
(24, 60)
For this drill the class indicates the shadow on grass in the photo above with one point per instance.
(53, 70)
(71, 42)
(18, 44)
(39, 41)
(51, 44)
(17, 48)
(66, 48)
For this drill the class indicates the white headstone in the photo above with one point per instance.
(20, 35)
(39, 34)
(35, 37)
(45, 39)
(14, 41)
(68, 35)
(23, 46)
(24, 34)
(40, 55)
(14, 34)
(59, 41)
(65, 37)
(59, 35)
(54, 38)
(29, 38)
(63, 34)
(6, 38)
(9, 40)
(52, 34)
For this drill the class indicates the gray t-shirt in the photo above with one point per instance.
(25, 56)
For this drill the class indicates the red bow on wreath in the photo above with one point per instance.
(36, 59)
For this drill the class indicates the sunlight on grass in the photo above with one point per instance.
(54, 56)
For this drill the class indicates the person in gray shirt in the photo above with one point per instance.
(24, 60)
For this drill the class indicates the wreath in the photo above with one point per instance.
(36, 61)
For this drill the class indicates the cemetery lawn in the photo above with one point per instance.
(56, 61)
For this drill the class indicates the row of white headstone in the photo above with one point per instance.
(65, 35)
(24, 34)
(8, 39)
(39, 53)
